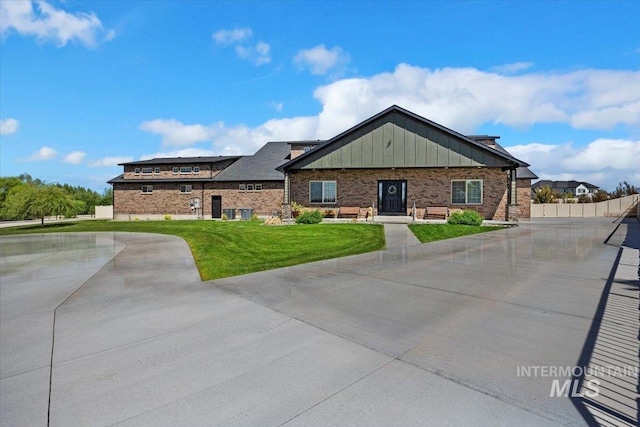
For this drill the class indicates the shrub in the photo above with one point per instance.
(224, 217)
(467, 217)
(254, 217)
(167, 217)
(309, 217)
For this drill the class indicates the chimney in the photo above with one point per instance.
(487, 140)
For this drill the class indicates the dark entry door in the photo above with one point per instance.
(216, 206)
(392, 197)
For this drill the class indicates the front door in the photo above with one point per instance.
(392, 197)
(216, 206)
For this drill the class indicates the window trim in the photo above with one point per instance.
(186, 170)
(323, 197)
(258, 187)
(250, 187)
(466, 192)
(156, 170)
(147, 171)
(147, 189)
(136, 171)
(184, 186)
(175, 170)
(242, 187)
(195, 169)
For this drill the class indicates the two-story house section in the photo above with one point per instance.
(150, 189)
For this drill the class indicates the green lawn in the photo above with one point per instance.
(431, 232)
(223, 249)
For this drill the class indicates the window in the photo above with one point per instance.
(136, 171)
(249, 187)
(322, 191)
(147, 171)
(241, 187)
(258, 187)
(156, 170)
(307, 149)
(467, 192)
(196, 169)
(581, 191)
(186, 188)
(185, 169)
(147, 189)
(175, 170)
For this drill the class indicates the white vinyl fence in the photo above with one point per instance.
(613, 207)
(104, 212)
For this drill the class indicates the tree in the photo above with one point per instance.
(545, 195)
(600, 196)
(6, 184)
(36, 201)
(625, 189)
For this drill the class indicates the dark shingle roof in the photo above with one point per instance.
(180, 160)
(259, 167)
(562, 184)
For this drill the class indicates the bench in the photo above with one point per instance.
(349, 211)
(437, 211)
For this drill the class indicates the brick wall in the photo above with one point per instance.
(207, 170)
(167, 199)
(425, 187)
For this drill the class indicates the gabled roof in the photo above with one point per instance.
(562, 184)
(259, 167)
(180, 160)
(336, 143)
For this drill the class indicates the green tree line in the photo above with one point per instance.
(22, 197)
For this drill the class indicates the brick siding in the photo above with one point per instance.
(425, 187)
(167, 199)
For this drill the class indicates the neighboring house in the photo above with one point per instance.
(575, 188)
(397, 158)
(390, 161)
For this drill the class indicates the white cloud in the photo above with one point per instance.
(226, 37)
(259, 54)
(278, 106)
(603, 162)
(176, 133)
(320, 60)
(462, 99)
(8, 126)
(45, 153)
(109, 161)
(75, 157)
(513, 68)
(47, 23)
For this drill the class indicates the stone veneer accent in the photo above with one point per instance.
(425, 186)
(129, 201)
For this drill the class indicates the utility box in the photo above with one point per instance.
(246, 214)
(230, 213)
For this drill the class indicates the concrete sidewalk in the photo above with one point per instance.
(414, 335)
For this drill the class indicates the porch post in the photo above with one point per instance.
(512, 197)
(286, 201)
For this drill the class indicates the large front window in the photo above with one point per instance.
(466, 192)
(322, 191)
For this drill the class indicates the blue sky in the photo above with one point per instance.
(85, 85)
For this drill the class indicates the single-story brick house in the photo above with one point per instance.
(397, 158)
(389, 162)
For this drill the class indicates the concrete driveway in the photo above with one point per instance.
(116, 328)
